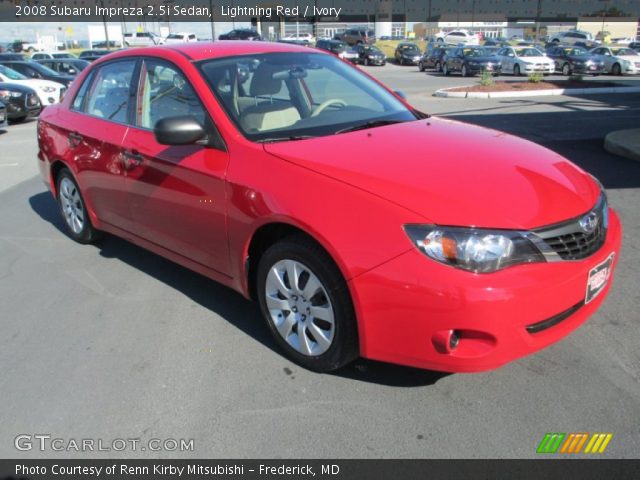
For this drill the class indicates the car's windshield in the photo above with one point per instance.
(575, 51)
(43, 69)
(11, 74)
(477, 52)
(410, 48)
(62, 55)
(372, 49)
(529, 52)
(277, 96)
(624, 51)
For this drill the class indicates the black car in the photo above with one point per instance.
(471, 60)
(407, 54)
(496, 42)
(3, 114)
(634, 46)
(22, 101)
(433, 59)
(241, 34)
(91, 55)
(369, 55)
(575, 60)
(65, 66)
(39, 71)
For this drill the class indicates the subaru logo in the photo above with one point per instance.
(589, 222)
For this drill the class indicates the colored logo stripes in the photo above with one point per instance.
(573, 443)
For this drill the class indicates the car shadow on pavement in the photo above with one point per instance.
(233, 307)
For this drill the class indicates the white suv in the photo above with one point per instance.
(181, 37)
(571, 37)
(457, 37)
(142, 39)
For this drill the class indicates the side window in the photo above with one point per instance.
(109, 96)
(82, 93)
(164, 92)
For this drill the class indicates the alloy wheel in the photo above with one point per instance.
(72, 206)
(299, 307)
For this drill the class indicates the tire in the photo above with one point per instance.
(463, 71)
(281, 304)
(401, 61)
(438, 67)
(366, 62)
(616, 69)
(440, 40)
(566, 70)
(445, 69)
(516, 70)
(18, 120)
(421, 67)
(73, 209)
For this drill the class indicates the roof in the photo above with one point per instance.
(222, 48)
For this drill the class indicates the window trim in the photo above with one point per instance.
(216, 141)
(91, 77)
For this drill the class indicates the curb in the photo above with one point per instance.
(624, 143)
(444, 93)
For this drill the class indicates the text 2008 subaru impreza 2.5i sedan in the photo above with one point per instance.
(299, 181)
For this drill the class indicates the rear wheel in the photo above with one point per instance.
(307, 305)
(74, 210)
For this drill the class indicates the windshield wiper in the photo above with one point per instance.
(289, 138)
(369, 124)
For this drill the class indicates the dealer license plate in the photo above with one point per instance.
(598, 278)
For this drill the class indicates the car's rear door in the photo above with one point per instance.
(176, 193)
(95, 128)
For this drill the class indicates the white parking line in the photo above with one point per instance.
(9, 164)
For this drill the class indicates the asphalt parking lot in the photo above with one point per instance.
(110, 341)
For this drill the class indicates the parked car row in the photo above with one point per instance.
(517, 61)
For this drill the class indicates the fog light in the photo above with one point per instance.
(454, 339)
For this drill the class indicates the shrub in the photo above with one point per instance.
(535, 77)
(486, 79)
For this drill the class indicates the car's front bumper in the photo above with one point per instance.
(23, 107)
(588, 69)
(539, 67)
(406, 305)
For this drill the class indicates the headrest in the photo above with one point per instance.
(263, 82)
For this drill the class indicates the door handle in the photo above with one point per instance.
(132, 159)
(74, 139)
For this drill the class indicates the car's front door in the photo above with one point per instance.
(176, 193)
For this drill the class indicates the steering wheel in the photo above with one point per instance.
(322, 107)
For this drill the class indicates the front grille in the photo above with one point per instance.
(572, 241)
(577, 245)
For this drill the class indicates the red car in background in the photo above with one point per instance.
(301, 182)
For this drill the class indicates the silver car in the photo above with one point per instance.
(618, 60)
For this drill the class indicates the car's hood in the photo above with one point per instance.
(16, 87)
(630, 58)
(451, 173)
(536, 59)
(485, 59)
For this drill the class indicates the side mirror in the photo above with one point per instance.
(401, 94)
(184, 130)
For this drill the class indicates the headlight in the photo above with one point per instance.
(589, 62)
(9, 94)
(476, 250)
(48, 89)
(473, 64)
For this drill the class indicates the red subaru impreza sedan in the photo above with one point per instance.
(299, 181)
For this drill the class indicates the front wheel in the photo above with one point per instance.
(74, 210)
(516, 70)
(307, 305)
(445, 69)
(366, 62)
(421, 66)
(463, 71)
(566, 70)
(438, 67)
(616, 69)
